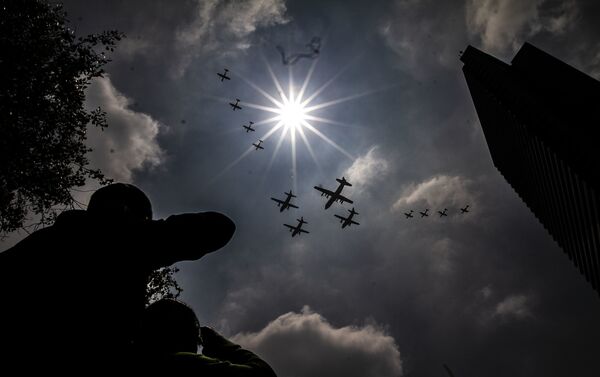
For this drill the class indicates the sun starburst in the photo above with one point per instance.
(293, 117)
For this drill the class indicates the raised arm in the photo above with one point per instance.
(188, 236)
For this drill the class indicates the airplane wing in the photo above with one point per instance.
(291, 227)
(277, 200)
(354, 222)
(325, 192)
(340, 217)
(291, 205)
(303, 231)
(343, 199)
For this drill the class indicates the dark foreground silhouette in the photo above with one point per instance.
(72, 294)
(168, 340)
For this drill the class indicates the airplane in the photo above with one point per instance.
(409, 214)
(347, 221)
(298, 228)
(285, 204)
(235, 105)
(443, 213)
(337, 195)
(249, 127)
(223, 75)
(424, 213)
(465, 210)
(258, 146)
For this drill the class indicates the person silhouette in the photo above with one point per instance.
(167, 344)
(55, 285)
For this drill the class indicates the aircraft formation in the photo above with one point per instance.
(285, 204)
(236, 106)
(332, 196)
(442, 213)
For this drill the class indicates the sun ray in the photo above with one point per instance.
(243, 155)
(328, 140)
(260, 107)
(310, 150)
(261, 91)
(272, 131)
(294, 171)
(339, 100)
(265, 121)
(291, 84)
(307, 80)
(277, 84)
(330, 121)
(231, 165)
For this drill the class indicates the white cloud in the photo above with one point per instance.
(129, 141)
(440, 191)
(306, 345)
(503, 24)
(367, 169)
(514, 306)
(222, 25)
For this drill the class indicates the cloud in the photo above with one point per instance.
(503, 24)
(367, 169)
(440, 191)
(225, 26)
(305, 345)
(129, 142)
(514, 306)
(423, 35)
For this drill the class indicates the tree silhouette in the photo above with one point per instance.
(162, 284)
(44, 71)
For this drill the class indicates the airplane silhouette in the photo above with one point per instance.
(285, 204)
(347, 221)
(337, 195)
(235, 105)
(424, 213)
(443, 213)
(223, 75)
(409, 214)
(464, 210)
(298, 228)
(258, 146)
(249, 127)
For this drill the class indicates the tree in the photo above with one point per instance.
(162, 284)
(44, 71)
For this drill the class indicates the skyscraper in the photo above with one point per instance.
(541, 121)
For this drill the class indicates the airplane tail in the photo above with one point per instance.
(343, 181)
(353, 211)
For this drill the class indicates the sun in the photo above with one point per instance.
(292, 114)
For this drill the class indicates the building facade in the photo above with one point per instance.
(541, 121)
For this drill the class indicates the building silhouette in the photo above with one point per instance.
(541, 121)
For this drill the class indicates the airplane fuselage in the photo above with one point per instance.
(348, 221)
(335, 195)
(285, 205)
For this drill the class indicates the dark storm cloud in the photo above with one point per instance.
(488, 293)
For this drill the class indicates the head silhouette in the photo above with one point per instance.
(120, 202)
(168, 326)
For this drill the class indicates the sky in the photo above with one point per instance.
(487, 293)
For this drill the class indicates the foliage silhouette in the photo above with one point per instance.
(44, 71)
